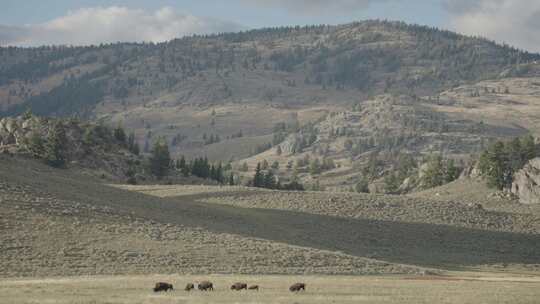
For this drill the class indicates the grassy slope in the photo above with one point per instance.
(394, 241)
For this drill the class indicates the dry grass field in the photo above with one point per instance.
(274, 289)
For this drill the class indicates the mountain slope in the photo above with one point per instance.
(224, 95)
(280, 64)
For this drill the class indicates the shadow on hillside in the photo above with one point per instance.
(410, 243)
(399, 242)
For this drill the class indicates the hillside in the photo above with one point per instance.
(222, 85)
(98, 229)
(92, 148)
(390, 133)
(59, 222)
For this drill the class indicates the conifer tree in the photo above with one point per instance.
(132, 144)
(55, 146)
(269, 180)
(119, 133)
(160, 159)
(258, 178)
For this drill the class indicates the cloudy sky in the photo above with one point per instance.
(83, 22)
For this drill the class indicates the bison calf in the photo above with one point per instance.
(239, 286)
(297, 287)
(205, 286)
(189, 287)
(163, 287)
(254, 287)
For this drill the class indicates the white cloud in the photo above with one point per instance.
(516, 22)
(113, 24)
(317, 6)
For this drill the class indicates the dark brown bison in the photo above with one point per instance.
(205, 286)
(297, 287)
(163, 287)
(189, 287)
(254, 287)
(239, 286)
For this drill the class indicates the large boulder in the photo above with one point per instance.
(526, 183)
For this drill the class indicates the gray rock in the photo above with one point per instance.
(526, 183)
(11, 125)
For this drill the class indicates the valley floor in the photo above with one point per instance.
(457, 288)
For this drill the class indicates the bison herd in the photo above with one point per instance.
(208, 286)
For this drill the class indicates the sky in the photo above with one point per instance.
(85, 22)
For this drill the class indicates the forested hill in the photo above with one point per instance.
(278, 65)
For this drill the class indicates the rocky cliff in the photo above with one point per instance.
(526, 183)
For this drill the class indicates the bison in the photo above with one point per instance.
(254, 287)
(297, 287)
(189, 287)
(163, 287)
(239, 286)
(205, 286)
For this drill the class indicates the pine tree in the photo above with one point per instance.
(181, 164)
(55, 146)
(160, 159)
(119, 133)
(258, 178)
(231, 180)
(35, 145)
(529, 148)
(434, 172)
(451, 172)
(269, 180)
(205, 168)
(132, 144)
(213, 173)
(219, 174)
(362, 186)
(391, 184)
(315, 166)
(494, 166)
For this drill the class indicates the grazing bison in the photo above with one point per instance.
(297, 287)
(163, 287)
(205, 286)
(189, 287)
(239, 286)
(254, 287)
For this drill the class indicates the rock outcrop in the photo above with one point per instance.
(526, 183)
(86, 145)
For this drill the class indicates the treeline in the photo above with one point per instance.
(59, 140)
(201, 167)
(501, 160)
(268, 180)
(407, 172)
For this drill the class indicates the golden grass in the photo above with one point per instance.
(274, 289)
